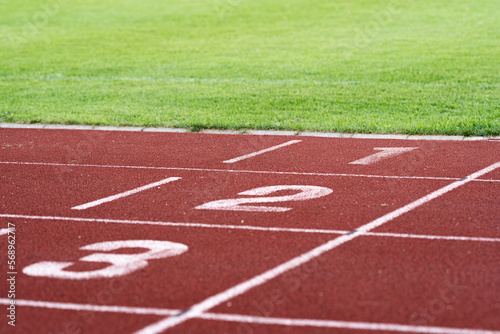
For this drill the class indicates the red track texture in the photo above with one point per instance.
(388, 266)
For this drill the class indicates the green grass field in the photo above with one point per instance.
(374, 66)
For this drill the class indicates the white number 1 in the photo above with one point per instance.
(306, 193)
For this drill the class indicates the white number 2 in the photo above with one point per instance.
(121, 264)
(306, 193)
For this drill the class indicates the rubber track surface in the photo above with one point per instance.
(398, 267)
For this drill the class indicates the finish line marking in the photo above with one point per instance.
(198, 309)
(124, 194)
(243, 157)
(251, 319)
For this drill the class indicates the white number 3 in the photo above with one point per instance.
(121, 264)
(306, 193)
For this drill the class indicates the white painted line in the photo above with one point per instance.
(387, 152)
(124, 194)
(90, 308)
(157, 223)
(486, 180)
(431, 237)
(246, 156)
(341, 324)
(239, 171)
(248, 319)
(222, 297)
(248, 227)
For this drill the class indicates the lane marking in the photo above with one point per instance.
(251, 228)
(431, 237)
(228, 294)
(341, 324)
(250, 155)
(192, 169)
(124, 194)
(90, 308)
(250, 319)
(240, 171)
(387, 152)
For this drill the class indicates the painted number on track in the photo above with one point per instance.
(120, 264)
(305, 193)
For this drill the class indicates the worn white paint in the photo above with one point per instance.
(120, 264)
(306, 193)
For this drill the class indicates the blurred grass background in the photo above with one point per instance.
(374, 66)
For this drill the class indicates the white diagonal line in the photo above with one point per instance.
(124, 194)
(246, 156)
(198, 309)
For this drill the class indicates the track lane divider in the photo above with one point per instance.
(248, 228)
(240, 318)
(250, 155)
(124, 194)
(90, 308)
(215, 170)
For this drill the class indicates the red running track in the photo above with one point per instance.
(134, 232)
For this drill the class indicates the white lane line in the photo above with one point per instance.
(341, 324)
(90, 308)
(251, 228)
(431, 237)
(386, 153)
(487, 180)
(224, 296)
(159, 223)
(124, 194)
(215, 170)
(246, 156)
(239, 171)
(249, 319)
